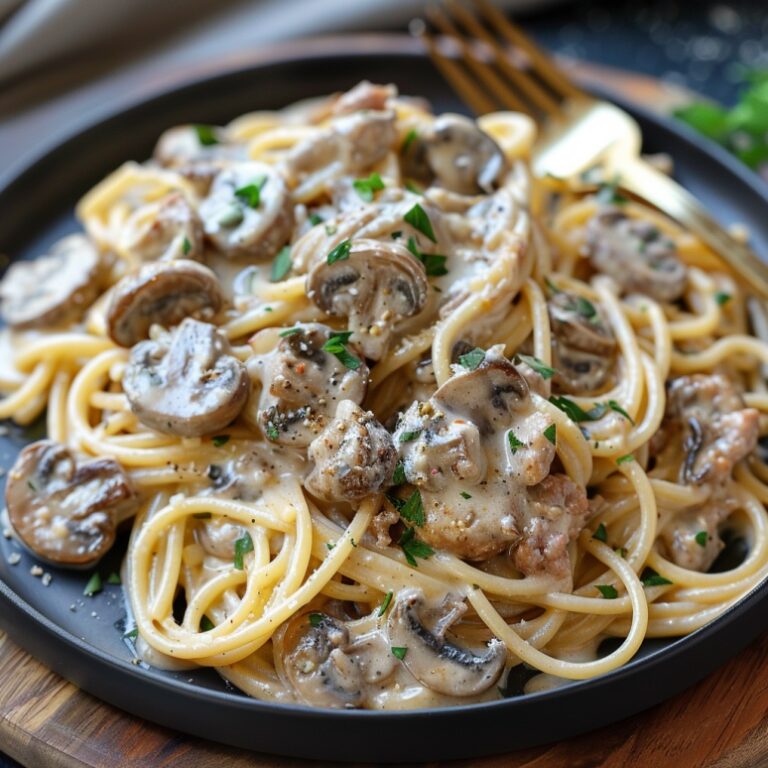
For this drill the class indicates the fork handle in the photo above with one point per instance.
(655, 187)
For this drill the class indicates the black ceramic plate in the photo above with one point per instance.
(82, 638)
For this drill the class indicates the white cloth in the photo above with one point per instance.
(37, 32)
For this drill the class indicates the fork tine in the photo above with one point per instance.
(532, 91)
(544, 67)
(477, 101)
(493, 83)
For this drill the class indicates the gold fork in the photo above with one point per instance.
(499, 67)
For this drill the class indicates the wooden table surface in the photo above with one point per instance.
(720, 723)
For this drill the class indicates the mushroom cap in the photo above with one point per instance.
(434, 660)
(458, 154)
(66, 509)
(236, 227)
(53, 289)
(161, 293)
(378, 285)
(635, 254)
(303, 384)
(583, 343)
(186, 383)
(354, 456)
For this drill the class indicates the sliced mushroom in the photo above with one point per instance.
(457, 154)
(66, 507)
(354, 456)
(432, 658)
(364, 96)
(635, 254)
(167, 229)
(162, 293)
(378, 285)
(303, 385)
(186, 382)
(248, 211)
(53, 289)
(709, 417)
(314, 662)
(583, 344)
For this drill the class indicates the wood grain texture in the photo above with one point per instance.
(721, 723)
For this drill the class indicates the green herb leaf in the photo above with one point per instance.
(701, 538)
(407, 437)
(315, 219)
(722, 298)
(336, 345)
(650, 578)
(399, 651)
(585, 308)
(551, 433)
(434, 264)
(412, 186)
(250, 194)
(398, 478)
(206, 625)
(206, 135)
(243, 545)
(315, 619)
(340, 252)
(93, 586)
(608, 591)
(465, 495)
(418, 219)
(625, 459)
(329, 545)
(132, 635)
(282, 264)
(413, 509)
(620, 551)
(537, 365)
(331, 229)
(514, 443)
(220, 440)
(413, 547)
(289, 332)
(608, 194)
(366, 187)
(272, 433)
(471, 360)
(383, 607)
(410, 137)
(574, 411)
(186, 246)
(601, 534)
(552, 287)
(114, 578)
(614, 406)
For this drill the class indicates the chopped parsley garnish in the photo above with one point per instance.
(114, 578)
(574, 411)
(418, 219)
(315, 619)
(537, 365)
(206, 135)
(514, 443)
(650, 578)
(315, 219)
(330, 545)
(608, 591)
(412, 186)
(336, 345)
(614, 406)
(289, 332)
(93, 586)
(219, 440)
(608, 193)
(701, 538)
(243, 545)
(206, 625)
(398, 478)
(366, 187)
(399, 651)
(465, 495)
(203, 515)
(282, 264)
(625, 459)
(340, 252)
(132, 635)
(722, 298)
(186, 246)
(383, 607)
(584, 308)
(472, 359)
(551, 433)
(410, 137)
(621, 551)
(331, 229)
(434, 264)
(413, 547)
(250, 194)
(272, 432)
(552, 287)
(407, 437)
(601, 534)
(413, 509)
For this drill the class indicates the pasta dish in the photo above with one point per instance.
(391, 422)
